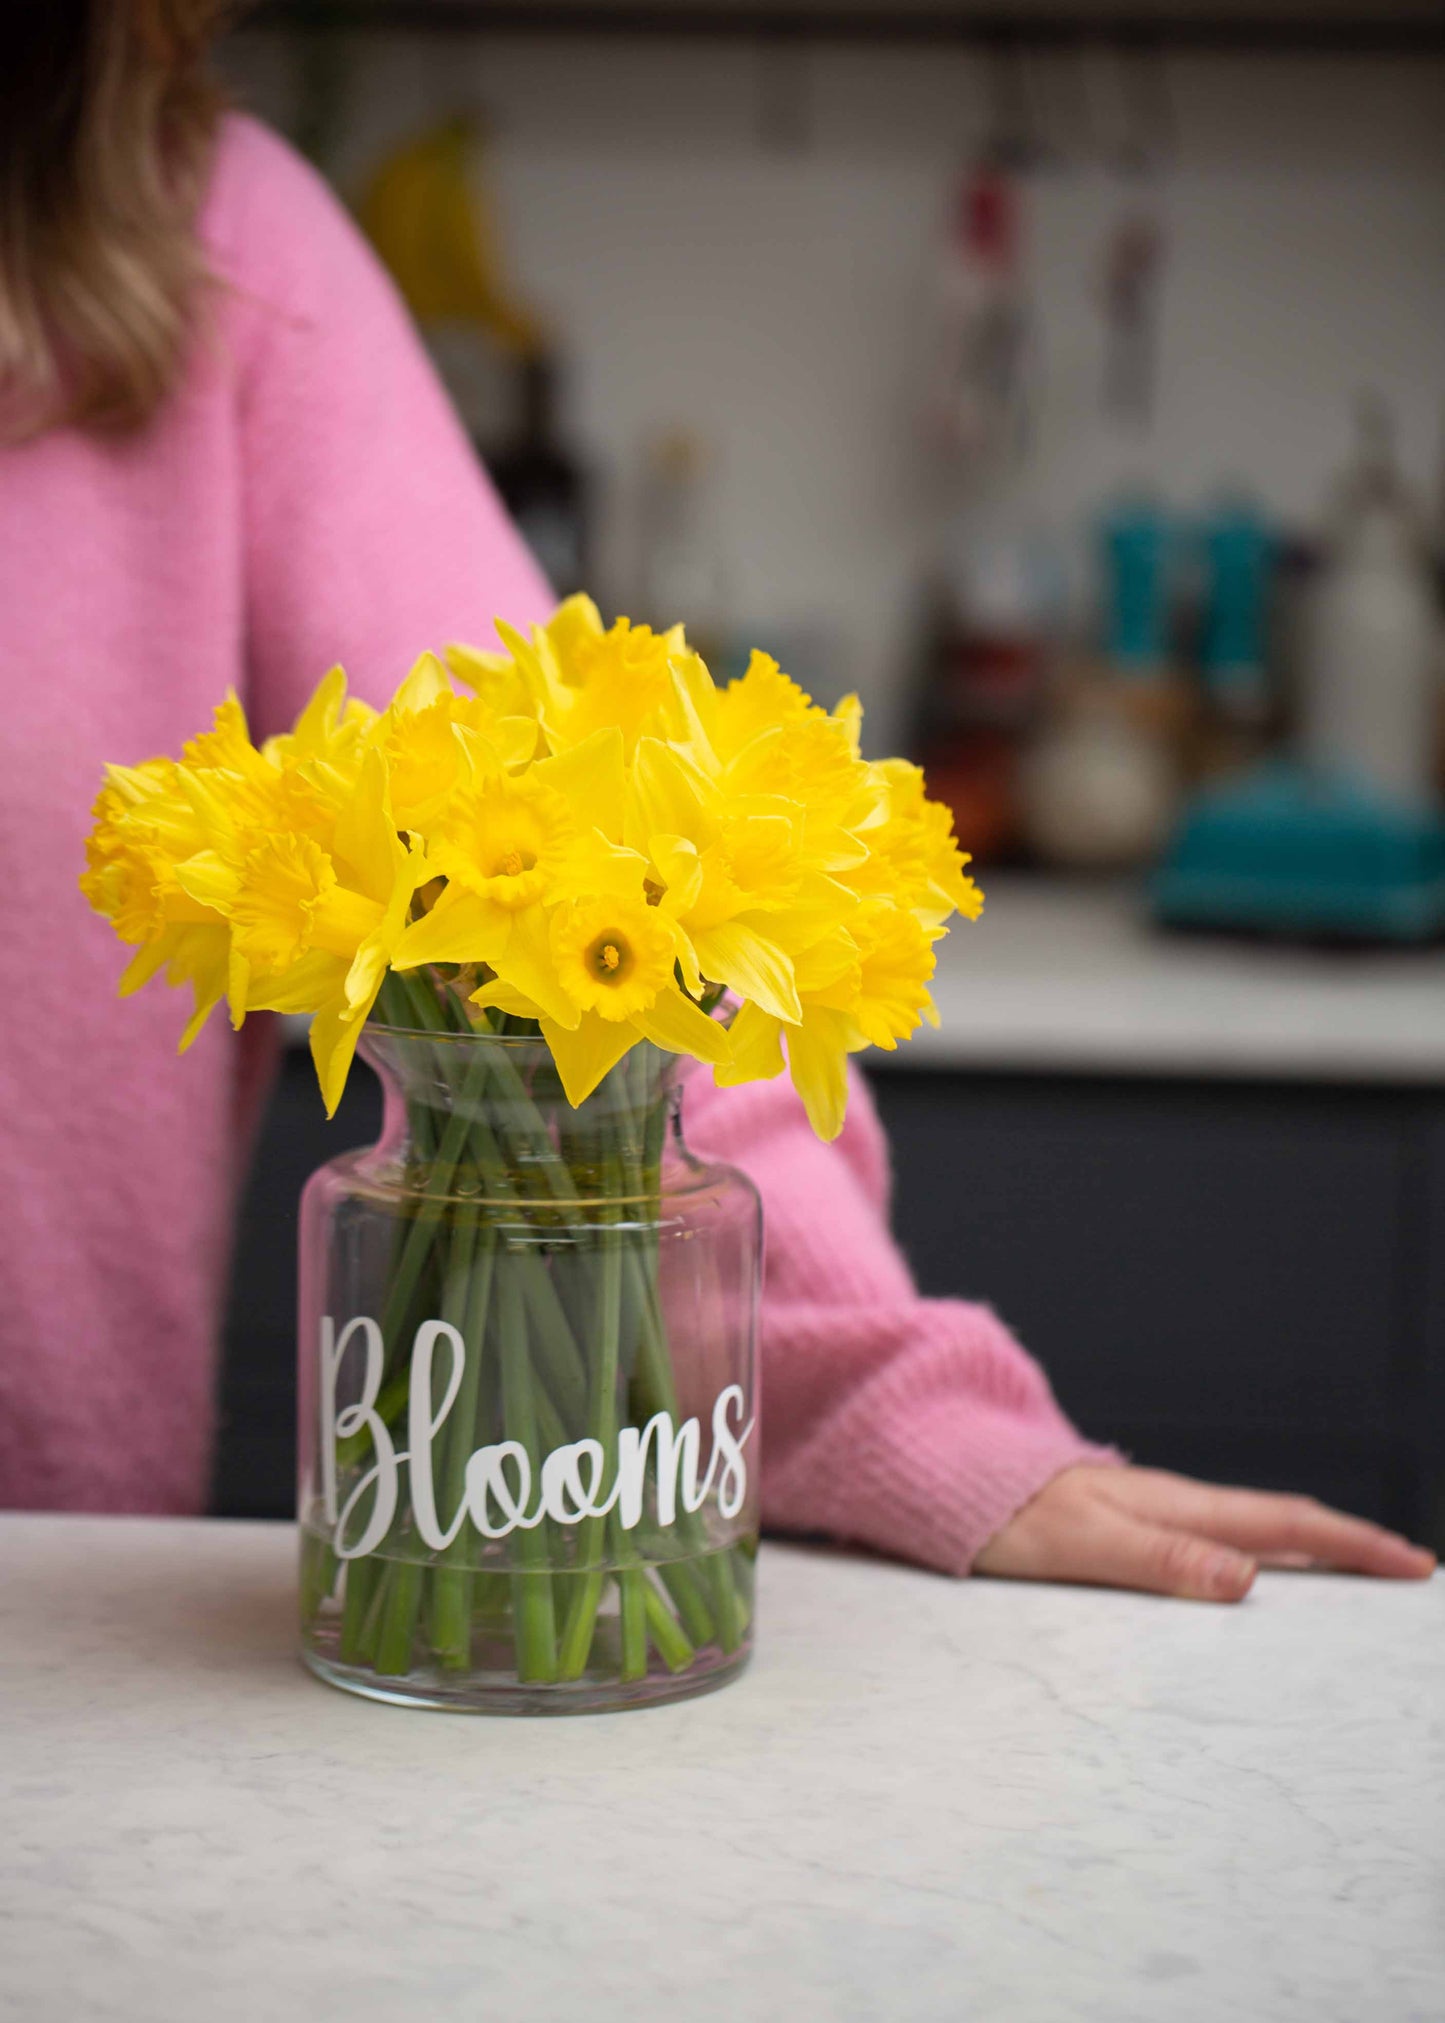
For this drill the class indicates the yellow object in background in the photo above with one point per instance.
(424, 213)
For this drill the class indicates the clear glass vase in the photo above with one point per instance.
(528, 1439)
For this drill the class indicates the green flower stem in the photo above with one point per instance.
(657, 1392)
(673, 1646)
(685, 1587)
(491, 1597)
(319, 1566)
(406, 1579)
(717, 1573)
(560, 1363)
(575, 1647)
(533, 1602)
(565, 1363)
(451, 1581)
(361, 1581)
(602, 1427)
(403, 1585)
(432, 1204)
(559, 1355)
(632, 1592)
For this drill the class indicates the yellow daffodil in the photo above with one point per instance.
(583, 676)
(436, 741)
(866, 985)
(913, 856)
(145, 827)
(612, 960)
(612, 955)
(580, 825)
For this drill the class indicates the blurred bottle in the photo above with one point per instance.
(1137, 548)
(1370, 702)
(1100, 784)
(1239, 551)
(681, 574)
(1098, 790)
(994, 624)
(545, 489)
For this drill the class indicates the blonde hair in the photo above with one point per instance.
(107, 119)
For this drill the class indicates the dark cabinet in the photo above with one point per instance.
(1242, 1281)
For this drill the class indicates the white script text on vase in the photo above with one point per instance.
(498, 1491)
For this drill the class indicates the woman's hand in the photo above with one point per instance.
(1141, 1528)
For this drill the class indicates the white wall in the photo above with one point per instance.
(770, 287)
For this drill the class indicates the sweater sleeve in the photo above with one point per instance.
(369, 529)
(916, 1426)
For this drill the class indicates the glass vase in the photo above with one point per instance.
(528, 1401)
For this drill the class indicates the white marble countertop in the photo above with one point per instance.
(926, 1800)
(1067, 978)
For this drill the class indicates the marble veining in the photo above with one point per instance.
(926, 1800)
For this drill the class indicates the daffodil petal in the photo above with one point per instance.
(317, 722)
(747, 962)
(686, 955)
(425, 684)
(575, 621)
(335, 1031)
(676, 1023)
(697, 703)
(304, 987)
(153, 956)
(757, 1053)
(208, 879)
(461, 927)
(667, 795)
(238, 978)
(516, 739)
(201, 960)
(366, 838)
(680, 868)
(526, 963)
(592, 778)
(587, 1052)
(826, 961)
(818, 1064)
(499, 996)
(597, 867)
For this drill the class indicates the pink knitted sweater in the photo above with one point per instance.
(305, 497)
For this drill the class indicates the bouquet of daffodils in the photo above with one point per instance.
(585, 824)
(576, 847)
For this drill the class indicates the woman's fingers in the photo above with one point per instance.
(1068, 1536)
(1141, 1528)
(1287, 1530)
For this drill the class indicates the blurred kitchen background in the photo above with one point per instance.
(1069, 382)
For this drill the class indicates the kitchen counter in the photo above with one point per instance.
(1065, 978)
(926, 1800)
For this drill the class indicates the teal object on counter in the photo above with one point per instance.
(1239, 549)
(1138, 550)
(1291, 852)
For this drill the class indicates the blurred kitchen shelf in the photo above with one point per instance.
(1250, 26)
(1063, 978)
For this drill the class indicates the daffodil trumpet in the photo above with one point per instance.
(525, 890)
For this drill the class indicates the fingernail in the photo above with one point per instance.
(1230, 1578)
